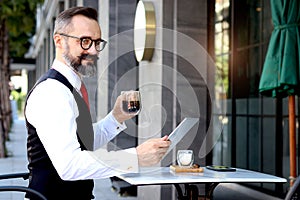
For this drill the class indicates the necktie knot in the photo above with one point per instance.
(84, 94)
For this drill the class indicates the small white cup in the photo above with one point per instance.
(185, 158)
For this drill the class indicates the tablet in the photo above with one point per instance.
(180, 131)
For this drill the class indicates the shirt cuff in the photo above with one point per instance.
(116, 125)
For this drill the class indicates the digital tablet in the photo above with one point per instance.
(181, 130)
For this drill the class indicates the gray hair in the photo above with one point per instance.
(63, 20)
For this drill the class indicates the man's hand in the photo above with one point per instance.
(151, 152)
(117, 111)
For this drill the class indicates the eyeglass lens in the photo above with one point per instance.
(86, 43)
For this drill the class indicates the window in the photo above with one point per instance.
(253, 136)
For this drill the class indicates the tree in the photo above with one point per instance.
(17, 25)
(19, 18)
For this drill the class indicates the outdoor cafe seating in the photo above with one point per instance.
(16, 188)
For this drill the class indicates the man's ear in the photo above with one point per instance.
(57, 41)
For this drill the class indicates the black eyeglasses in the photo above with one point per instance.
(87, 42)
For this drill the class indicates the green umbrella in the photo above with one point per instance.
(280, 75)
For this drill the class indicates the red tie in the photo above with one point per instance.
(84, 94)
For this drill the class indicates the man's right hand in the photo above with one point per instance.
(117, 111)
(151, 152)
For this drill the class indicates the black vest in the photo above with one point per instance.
(44, 177)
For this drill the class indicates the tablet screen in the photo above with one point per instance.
(181, 130)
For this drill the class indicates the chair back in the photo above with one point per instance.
(14, 188)
(294, 192)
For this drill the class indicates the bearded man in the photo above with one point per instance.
(63, 143)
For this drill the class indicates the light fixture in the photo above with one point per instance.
(144, 31)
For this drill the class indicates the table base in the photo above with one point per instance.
(192, 193)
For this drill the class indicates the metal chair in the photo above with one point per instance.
(294, 192)
(4, 188)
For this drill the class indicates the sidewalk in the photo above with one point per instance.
(17, 162)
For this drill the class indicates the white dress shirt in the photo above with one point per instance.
(52, 110)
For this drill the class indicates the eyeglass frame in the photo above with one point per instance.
(82, 38)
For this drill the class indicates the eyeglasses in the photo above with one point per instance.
(87, 42)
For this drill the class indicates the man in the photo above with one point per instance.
(62, 142)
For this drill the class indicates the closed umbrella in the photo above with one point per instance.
(280, 75)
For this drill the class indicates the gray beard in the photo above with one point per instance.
(87, 70)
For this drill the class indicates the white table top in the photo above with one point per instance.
(163, 175)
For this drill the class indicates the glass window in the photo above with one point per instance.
(252, 137)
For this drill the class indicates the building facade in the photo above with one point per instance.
(207, 62)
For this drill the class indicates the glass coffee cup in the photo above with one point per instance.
(185, 158)
(131, 103)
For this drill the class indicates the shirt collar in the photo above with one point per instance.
(67, 72)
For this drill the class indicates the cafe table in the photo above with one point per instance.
(164, 175)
